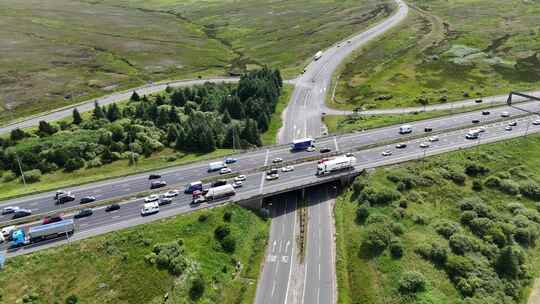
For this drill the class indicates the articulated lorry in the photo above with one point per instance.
(42, 232)
(345, 162)
(213, 193)
(301, 144)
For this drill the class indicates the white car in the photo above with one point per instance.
(237, 184)
(10, 209)
(508, 128)
(434, 138)
(171, 193)
(151, 198)
(424, 145)
(310, 149)
(513, 123)
(505, 114)
(6, 231)
(536, 122)
(240, 178)
(386, 153)
(272, 176)
(287, 169)
(225, 171)
(277, 160)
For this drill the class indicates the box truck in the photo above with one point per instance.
(219, 192)
(301, 144)
(336, 164)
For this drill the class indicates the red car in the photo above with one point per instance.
(52, 219)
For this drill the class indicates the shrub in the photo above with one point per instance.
(419, 219)
(8, 176)
(170, 256)
(221, 232)
(396, 249)
(397, 228)
(362, 214)
(379, 196)
(32, 176)
(435, 253)
(227, 216)
(477, 186)
(203, 218)
(446, 228)
(377, 218)
(197, 289)
(474, 169)
(460, 243)
(509, 261)
(378, 238)
(467, 217)
(525, 236)
(72, 299)
(411, 282)
(509, 187)
(492, 182)
(530, 190)
(458, 266)
(228, 244)
(455, 176)
(74, 164)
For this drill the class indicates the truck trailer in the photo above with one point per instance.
(63, 227)
(219, 192)
(301, 144)
(336, 164)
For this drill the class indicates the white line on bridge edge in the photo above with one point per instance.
(335, 143)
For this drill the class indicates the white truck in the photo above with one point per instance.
(344, 162)
(405, 129)
(318, 55)
(219, 192)
(150, 208)
(216, 166)
(63, 227)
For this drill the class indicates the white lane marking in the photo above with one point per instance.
(274, 246)
(305, 127)
(292, 255)
(116, 216)
(287, 246)
(335, 143)
(37, 209)
(266, 157)
(273, 287)
(319, 271)
(34, 203)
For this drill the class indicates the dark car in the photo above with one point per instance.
(401, 146)
(272, 171)
(485, 113)
(428, 129)
(158, 184)
(165, 201)
(87, 199)
(475, 121)
(22, 213)
(84, 213)
(154, 176)
(65, 198)
(230, 160)
(325, 150)
(112, 207)
(478, 101)
(219, 182)
(51, 219)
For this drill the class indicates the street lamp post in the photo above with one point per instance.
(20, 169)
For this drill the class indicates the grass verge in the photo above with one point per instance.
(114, 268)
(406, 205)
(270, 136)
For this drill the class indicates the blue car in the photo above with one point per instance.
(230, 160)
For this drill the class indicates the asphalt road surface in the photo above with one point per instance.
(129, 215)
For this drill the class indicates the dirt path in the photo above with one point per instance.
(534, 297)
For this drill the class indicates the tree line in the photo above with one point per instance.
(192, 119)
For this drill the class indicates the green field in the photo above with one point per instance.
(56, 53)
(454, 217)
(115, 267)
(444, 51)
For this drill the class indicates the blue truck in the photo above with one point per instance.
(301, 144)
(198, 185)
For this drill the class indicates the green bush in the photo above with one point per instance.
(477, 186)
(74, 164)
(32, 176)
(492, 182)
(446, 227)
(170, 256)
(8, 176)
(435, 253)
(411, 282)
(221, 232)
(202, 218)
(467, 216)
(458, 266)
(474, 169)
(227, 216)
(196, 290)
(378, 238)
(72, 299)
(362, 214)
(530, 190)
(228, 244)
(378, 196)
(460, 243)
(396, 249)
(509, 187)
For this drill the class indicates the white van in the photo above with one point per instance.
(405, 129)
(472, 134)
(150, 208)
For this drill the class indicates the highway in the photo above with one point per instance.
(128, 215)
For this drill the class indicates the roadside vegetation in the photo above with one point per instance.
(62, 52)
(446, 51)
(209, 256)
(179, 124)
(455, 228)
(270, 136)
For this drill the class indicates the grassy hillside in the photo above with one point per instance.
(447, 50)
(119, 267)
(59, 52)
(456, 228)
